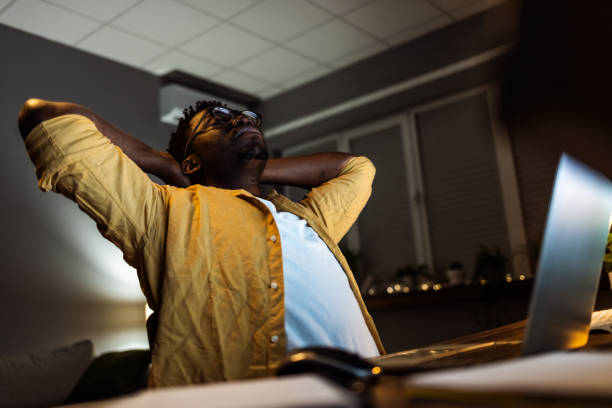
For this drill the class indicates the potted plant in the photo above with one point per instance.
(490, 266)
(607, 264)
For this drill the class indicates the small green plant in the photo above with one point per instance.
(411, 273)
(607, 264)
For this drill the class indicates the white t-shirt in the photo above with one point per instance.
(320, 308)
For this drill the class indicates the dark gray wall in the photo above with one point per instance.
(58, 280)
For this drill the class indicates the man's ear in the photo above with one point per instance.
(191, 164)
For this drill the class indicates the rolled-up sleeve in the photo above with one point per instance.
(339, 201)
(73, 158)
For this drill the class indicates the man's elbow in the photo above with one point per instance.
(31, 114)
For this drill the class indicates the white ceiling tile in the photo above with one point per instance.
(186, 63)
(359, 55)
(269, 92)
(387, 17)
(121, 47)
(331, 41)
(3, 4)
(340, 7)
(412, 33)
(240, 82)
(281, 20)
(165, 21)
(450, 5)
(276, 65)
(47, 21)
(226, 45)
(98, 10)
(305, 77)
(221, 9)
(474, 8)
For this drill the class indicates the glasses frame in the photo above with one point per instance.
(255, 117)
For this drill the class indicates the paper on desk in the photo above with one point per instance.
(559, 373)
(305, 390)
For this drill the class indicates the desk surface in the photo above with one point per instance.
(391, 391)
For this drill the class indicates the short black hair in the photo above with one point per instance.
(178, 139)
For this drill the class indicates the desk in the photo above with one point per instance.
(391, 391)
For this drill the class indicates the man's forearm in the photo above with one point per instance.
(304, 171)
(148, 159)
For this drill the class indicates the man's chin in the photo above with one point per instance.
(253, 153)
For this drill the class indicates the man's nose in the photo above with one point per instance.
(243, 120)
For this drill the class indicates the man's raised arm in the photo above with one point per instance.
(304, 171)
(161, 164)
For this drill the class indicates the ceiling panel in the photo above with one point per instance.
(414, 32)
(165, 21)
(98, 10)
(387, 17)
(121, 47)
(307, 76)
(226, 45)
(281, 20)
(276, 65)
(270, 91)
(358, 55)
(240, 81)
(449, 5)
(177, 60)
(221, 9)
(47, 21)
(475, 7)
(340, 7)
(4, 3)
(261, 47)
(331, 41)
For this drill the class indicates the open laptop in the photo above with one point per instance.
(566, 281)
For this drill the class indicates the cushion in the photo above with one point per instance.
(43, 378)
(113, 374)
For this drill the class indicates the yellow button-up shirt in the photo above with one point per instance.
(207, 258)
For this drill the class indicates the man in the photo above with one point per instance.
(235, 280)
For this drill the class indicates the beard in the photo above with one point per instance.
(253, 151)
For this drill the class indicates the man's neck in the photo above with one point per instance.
(246, 182)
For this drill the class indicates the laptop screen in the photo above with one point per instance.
(571, 254)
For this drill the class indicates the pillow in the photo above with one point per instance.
(42, 378)
(111, 375)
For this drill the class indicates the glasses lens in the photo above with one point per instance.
(222, 115)
(255, 118)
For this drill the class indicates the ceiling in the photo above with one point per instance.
(261, 47)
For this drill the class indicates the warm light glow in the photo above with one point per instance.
(397, 287)
(376, 370)
(108, 276)
(119, 340)
(522, 277)
(437, 286)
(389, 289)
(298, 357)
(371, 291)
(148, 311)
(424, 286)
(406, 289)
(483, 281)
(508, 277)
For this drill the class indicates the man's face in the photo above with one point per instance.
(226, 140)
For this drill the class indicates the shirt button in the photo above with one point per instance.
(274, 285)
(273, 238)
(274, 339)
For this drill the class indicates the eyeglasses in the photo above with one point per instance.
(223, 117)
